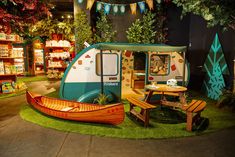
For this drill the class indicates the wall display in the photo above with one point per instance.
(11, 62)
(215, 66)
(11, 59)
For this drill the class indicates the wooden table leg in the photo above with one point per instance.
(148, 97)
(182, 99)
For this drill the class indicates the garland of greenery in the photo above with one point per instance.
(214, 12)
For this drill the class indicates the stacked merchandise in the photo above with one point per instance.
(61, 56)
(1, 68)
(4, 50)
(7, 87)
(61, 43)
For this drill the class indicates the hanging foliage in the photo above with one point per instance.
(82, 30)
(17, 15)
(104, 29)
(214, 12)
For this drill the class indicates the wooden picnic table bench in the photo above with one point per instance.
(143, 115)
(193, 112)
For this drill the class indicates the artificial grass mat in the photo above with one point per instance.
(164, 123)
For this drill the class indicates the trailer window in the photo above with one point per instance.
(110, 64)
(159, 64)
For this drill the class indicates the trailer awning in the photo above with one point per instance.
(140, 47)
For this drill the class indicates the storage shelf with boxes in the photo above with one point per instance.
(11, 62)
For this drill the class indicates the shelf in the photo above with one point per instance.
(11, 74)
(57, 67)
(12, 57)
(18, 42)
(57, 46)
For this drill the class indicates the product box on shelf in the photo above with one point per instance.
(2, 36)
(11, 37)
(7, 67)
(7, 87)
(4, 51)
(1, 68)
(17, 52)
(19, 68)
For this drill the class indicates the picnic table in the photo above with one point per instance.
(164, 90)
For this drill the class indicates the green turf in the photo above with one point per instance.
(32, 78)
(164, 123)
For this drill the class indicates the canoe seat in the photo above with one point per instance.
(193, 111)
(145, 107)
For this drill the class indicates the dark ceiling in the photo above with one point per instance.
(62, 8)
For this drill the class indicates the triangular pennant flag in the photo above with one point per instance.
(133, 8)
(89, 4)
(98, 6)
(115, 8)
(215, 66)
(107, 8)
(158, 1)
(122, 9)
(141, 6)
(150, 4)
(80, 1)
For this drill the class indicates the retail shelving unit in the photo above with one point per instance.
(57, 55)
(39, 65)
(11, 62)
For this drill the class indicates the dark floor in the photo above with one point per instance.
(19, 138)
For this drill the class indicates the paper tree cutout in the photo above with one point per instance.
(215, 66)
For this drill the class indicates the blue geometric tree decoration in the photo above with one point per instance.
(215, 66)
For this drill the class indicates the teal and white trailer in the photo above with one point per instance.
(85, 78)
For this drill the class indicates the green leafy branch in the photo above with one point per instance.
(214, 12)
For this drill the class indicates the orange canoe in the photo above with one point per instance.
(109, 114)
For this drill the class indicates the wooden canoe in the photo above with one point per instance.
(72, 110)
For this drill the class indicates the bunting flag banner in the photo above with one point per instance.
(118, 8)
(107, 8)
(141, 6)
(89, 4)
(133, 8)
(98, 6)
(80, 1)
(150, 4)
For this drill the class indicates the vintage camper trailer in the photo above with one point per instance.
(98, 68)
